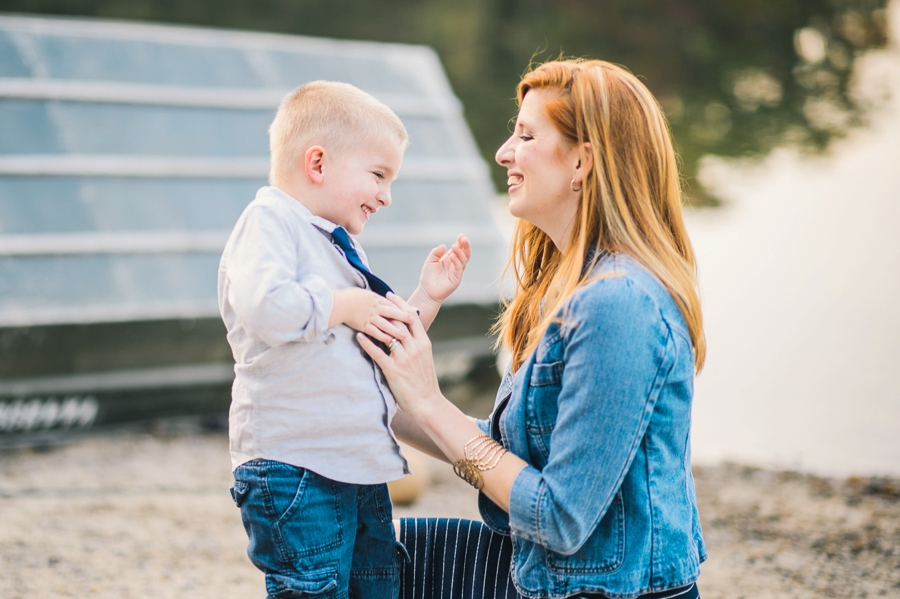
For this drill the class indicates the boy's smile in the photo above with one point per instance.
(357, 183)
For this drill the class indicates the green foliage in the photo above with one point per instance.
(736, 77)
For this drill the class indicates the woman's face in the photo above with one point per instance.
(541, 166)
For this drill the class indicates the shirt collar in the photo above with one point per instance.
(317, 221)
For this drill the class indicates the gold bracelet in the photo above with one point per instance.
(481, 453)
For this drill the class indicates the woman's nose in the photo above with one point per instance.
(504, 153)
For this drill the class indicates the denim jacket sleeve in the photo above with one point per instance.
(616, 354)
(273, 302)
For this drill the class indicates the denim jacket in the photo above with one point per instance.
(602, 412)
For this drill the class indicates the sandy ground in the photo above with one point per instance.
(149, 515)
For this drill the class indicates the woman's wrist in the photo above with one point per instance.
(448, 426)
(429, 410)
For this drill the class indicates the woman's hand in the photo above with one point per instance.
(409, 368)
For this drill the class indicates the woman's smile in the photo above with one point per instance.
(513, 181)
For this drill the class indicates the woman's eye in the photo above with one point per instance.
(525, 137)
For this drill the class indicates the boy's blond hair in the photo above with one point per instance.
(334, 115)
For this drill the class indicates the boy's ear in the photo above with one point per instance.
(313, 164)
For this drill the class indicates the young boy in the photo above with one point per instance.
(309, 425)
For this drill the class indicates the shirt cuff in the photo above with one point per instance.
(524, 503)
(323, 304)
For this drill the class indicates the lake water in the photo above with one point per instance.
(800, 278)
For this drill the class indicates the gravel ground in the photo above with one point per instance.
(149, 515)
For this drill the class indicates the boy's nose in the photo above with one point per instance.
(384, 197)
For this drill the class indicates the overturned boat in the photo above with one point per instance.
(127, 153)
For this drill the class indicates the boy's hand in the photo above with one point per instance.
(368, 312)
(443, 270)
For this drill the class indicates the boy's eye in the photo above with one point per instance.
(378, 174)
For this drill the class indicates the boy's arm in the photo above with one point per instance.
(427, 307)
(263, 290)
(276, 308)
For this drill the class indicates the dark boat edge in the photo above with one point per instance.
(61, 382)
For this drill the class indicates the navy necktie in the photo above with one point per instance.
(342, 240)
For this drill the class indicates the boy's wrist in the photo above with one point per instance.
(421, 299)
(339, 303)
(427, 307)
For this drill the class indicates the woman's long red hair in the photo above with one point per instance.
(631, 201)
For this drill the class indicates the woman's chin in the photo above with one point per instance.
(515, 207)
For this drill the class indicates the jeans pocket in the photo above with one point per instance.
(239, 492)
(290, 587)
(381, 498)
(306, 512)
(402, 554)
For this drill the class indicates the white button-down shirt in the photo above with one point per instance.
(303, 394)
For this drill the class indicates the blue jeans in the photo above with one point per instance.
(313, 536)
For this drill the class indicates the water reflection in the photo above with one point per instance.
(800, 286)
(737, 78)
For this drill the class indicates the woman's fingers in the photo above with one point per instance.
(417, 330)
(390, 329)
(414, 325)
(378, 356)
(401, 303)
(393, 311)
(373, 331)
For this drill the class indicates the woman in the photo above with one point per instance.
(584, 466)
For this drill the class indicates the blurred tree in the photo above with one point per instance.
(736, 77)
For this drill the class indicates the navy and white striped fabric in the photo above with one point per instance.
(464, 559)
(454, 559)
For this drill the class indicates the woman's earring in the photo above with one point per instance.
(576, 188)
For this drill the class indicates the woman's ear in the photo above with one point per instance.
(582, 167)
(586, 164)
(313, 164)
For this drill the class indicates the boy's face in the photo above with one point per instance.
(358, 182)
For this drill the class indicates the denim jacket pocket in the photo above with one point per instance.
(604, 551)
(547, 374)
(548, 348)
(541, 409)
